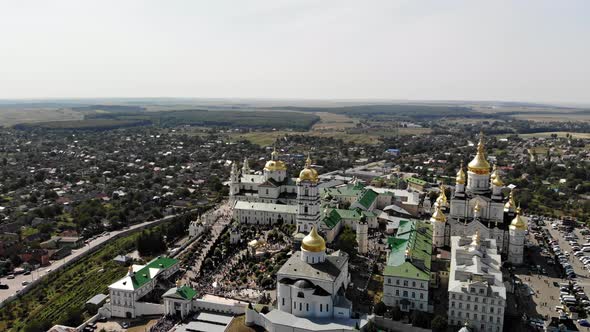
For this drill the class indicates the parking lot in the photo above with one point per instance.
(546, 289)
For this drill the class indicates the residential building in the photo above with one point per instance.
(406, 276)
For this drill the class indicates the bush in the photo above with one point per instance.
(439, 323)
(380, 308)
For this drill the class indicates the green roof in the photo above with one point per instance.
(332, 219)
(186, 292)
(143, 276)
(334, 216)
(367, 198)
(416, 181)
(415, 238)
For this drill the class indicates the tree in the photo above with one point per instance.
(347, 241)
(420, 319)
(439, 323)
(380, 308)
(396, 313)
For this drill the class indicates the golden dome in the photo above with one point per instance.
(511, 204)
(313, 242)
(461, 179)
(494, 172)
(518, 222)
(497, 181)
(438, 215)
(479, 164)
(308, 173)
(476, 208)
(274, 164)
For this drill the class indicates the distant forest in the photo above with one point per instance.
(413, 112)
(119, 118)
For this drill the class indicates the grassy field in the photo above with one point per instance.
(368, 137)
(333, 121)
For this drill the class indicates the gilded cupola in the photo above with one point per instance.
(518, 222)
(461, 179)
(313, 241)
(308, 173)
(479, 164)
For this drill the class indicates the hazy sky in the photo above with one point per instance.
(441, 49)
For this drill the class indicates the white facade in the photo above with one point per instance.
(476, 290)
(308, 205)
(139, 281)
(407, 293)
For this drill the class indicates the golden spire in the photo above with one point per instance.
(441, 200)
(313, 241)
(308, 173)
(477, 238)
(518, 222)
(438, 215)
(460, 179)
(511, 204)
(494, 171)
(479, 164)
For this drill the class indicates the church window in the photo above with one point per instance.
(327, 307)
(492, 310)
(421, 296)
(468, 306)
(475, 307)
(305, 209)
(307, 307)
(283, 301)
(421, 306)
(306, 192)
(491, 319)
(397, 292)
(452, 304)
(467, 314)
(413, 284)
(300, 306)
(413, 295)
(405, 282)
(321, 307)
(405, 293)
(397, 281)
(475, 316)
(421, 285)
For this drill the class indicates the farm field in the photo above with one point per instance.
(549, 133)
(362, 137)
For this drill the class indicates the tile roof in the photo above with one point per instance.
(367, 198)
(415, 237)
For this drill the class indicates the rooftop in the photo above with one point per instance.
(411, 250)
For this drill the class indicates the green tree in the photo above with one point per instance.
(439, 323)
(380, 308)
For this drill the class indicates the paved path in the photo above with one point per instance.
(224, 218)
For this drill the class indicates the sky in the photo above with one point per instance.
(526, 50)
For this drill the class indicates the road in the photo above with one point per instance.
(16, 283)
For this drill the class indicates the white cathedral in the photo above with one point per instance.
(311, 285)
(479, 206)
